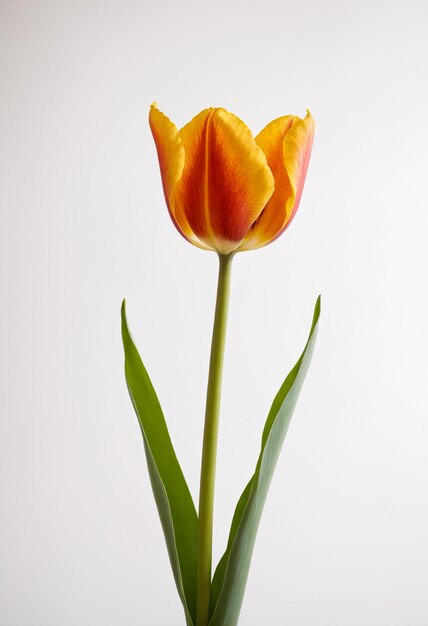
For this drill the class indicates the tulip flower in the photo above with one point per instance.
(228, 192)
(225, 190)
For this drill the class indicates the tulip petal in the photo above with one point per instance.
(170, 150)
(287, 143)
(297, 149)
(270, 139)
(226, 181)
(171, 162)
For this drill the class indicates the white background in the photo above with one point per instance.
(343, 539)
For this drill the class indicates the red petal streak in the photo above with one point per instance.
(226, 181)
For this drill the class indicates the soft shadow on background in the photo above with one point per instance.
(83, 224)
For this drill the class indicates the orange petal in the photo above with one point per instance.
(297, 149)
(271, 139)
(287, 143)
(171, 162)
(226, 181)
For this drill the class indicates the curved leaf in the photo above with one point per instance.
(174, 502)
(230, 578)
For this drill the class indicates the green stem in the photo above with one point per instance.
(209, 450)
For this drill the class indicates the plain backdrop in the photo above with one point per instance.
(343, 539)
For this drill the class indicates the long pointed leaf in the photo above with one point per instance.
(174, 502)
(228, 586)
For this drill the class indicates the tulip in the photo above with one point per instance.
(226, 190)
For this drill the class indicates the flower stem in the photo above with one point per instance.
(209, 449)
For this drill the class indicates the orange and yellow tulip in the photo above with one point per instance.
(226, 190)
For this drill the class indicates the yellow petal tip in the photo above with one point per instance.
(309, 115)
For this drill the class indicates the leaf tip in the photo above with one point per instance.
(123, 313)
(317, 313)
(125, 331)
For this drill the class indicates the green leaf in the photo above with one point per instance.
(230, 578)
(174, 502)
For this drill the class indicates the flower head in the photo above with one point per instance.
(226, 190)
